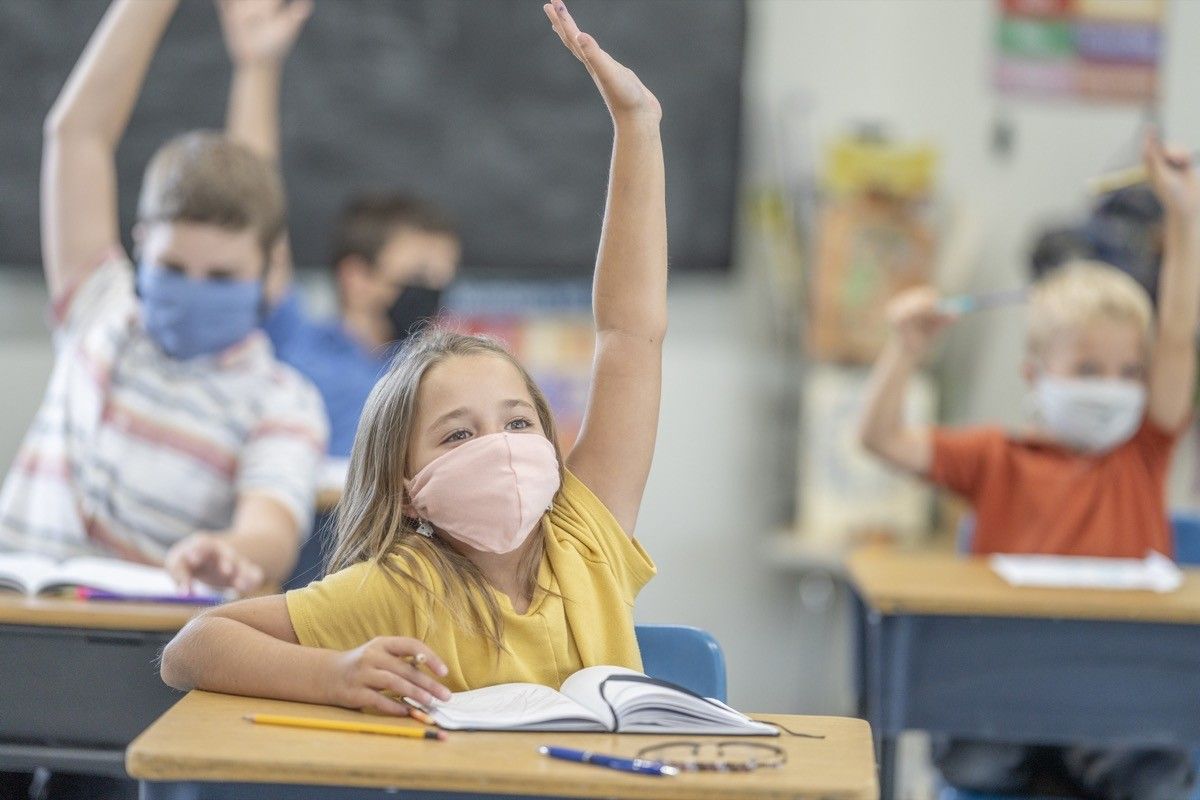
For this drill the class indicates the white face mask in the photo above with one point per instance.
(1093, 414)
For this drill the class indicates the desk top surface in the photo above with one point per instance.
(204, 737)
(944, 583)
(163, 617)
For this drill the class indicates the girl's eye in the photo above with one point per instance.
(457, 436)
(520, 424)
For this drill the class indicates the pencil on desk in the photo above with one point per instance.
(339, 725)
(418, 711)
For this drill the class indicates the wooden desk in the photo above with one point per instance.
(204, 738)
(161, 617)
(915, 582)
(80, 680)
(948, 647)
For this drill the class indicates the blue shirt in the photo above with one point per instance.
(343, 369)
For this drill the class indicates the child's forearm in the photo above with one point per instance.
(219, 654)
(265, 533)
(630, 289)
(883, 429)
(103, 88)
(253, 116)
(1179, 282)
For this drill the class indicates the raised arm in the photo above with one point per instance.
(259, 35)
(1173, 361)
(629, 293)
(883, 430)
(79, 180)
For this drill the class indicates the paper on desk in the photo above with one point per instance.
(1155, 573)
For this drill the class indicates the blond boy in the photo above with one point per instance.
(1112, 391)
(169, 434)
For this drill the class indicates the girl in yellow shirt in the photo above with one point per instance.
(468, 551)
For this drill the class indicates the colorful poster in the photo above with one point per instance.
(1092, 50)
(548, 327)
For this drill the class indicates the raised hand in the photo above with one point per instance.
(623, 92)
(1173, 176)
(916, 319)
(261, 31)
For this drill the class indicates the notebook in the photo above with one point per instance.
(595, 699)
(39, 575)
(1155, 572)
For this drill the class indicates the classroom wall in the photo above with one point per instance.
(715, 493)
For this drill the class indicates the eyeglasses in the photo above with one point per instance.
(724, 756)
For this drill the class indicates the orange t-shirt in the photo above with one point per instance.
(1035, 497)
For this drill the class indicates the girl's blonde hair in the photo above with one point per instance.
(1082, 292)
(371, 523)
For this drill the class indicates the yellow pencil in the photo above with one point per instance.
(338, 725)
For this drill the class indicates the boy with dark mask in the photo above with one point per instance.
(392, 257)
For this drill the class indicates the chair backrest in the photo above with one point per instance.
(684, 655)
(1186, 528)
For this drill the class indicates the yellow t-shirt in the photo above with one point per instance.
(594, 567)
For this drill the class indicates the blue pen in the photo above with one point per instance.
(967, 303)
(638, 765)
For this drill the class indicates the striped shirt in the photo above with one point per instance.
(132, 450)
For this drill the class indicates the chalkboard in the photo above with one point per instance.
(473, 103)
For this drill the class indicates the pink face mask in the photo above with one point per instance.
(490, 492)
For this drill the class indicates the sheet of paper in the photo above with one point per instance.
(1155, 573)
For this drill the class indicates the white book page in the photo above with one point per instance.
(652, 708)
(1155, 573)
(21, 571)
(513, 706)
(584, 688)
(110, 575)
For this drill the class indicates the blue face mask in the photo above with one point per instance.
(189, 317)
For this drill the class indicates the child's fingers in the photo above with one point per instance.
(416, 677)
(570, 31)
(180, 573)
(549, 9)
(372, 700)
(404, 647)
(419, 687)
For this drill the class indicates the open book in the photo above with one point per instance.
(38, 575)
(595, 699)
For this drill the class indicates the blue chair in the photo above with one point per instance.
(1186, 530)
(684, 655)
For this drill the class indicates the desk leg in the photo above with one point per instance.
(878, 685)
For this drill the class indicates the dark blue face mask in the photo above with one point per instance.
(189, 317)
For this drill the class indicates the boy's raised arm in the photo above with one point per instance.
(916, 320)
(629, 294)
(82, 130)
(1173, 362)
(259, 35)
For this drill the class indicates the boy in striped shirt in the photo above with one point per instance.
(169, 433)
